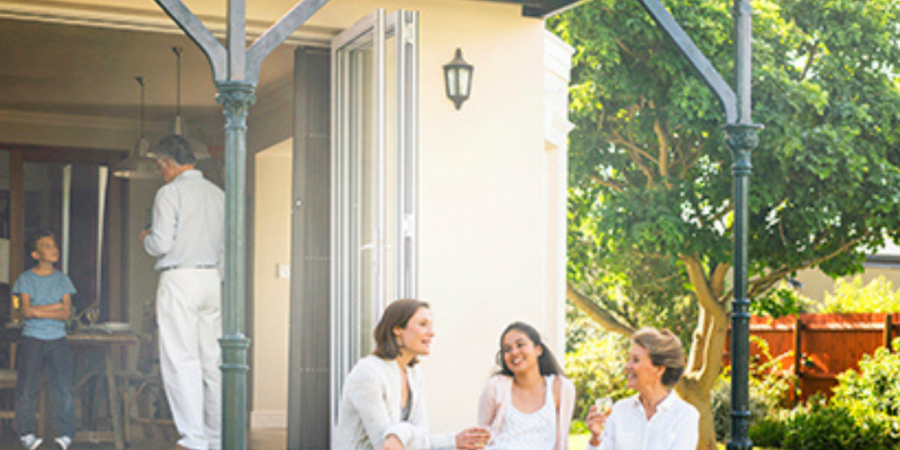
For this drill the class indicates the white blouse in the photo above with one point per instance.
(532, 431)
(675, 426)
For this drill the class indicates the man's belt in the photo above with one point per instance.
(198, 266)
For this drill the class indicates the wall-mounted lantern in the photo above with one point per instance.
(458, 79)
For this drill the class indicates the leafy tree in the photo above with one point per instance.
(650, 206)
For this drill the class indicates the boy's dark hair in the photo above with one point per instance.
(175, 148)
(36, 236)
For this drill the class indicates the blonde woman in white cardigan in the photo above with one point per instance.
(383, 400)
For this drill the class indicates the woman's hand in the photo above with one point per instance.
(596, 420)
(392, 443)
(473, 438)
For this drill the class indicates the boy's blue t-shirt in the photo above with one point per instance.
(44, 290)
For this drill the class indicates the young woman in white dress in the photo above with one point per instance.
(529, 403)
(656, 418)
(383, 400)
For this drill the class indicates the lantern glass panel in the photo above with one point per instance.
(452, 85)
(463, 82)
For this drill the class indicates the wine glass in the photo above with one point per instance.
(92, 314)
(604, 405)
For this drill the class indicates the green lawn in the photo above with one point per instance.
(579, 442)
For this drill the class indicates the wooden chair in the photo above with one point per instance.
(141, 390)
(8, 388)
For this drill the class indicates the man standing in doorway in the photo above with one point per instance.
(187, 237)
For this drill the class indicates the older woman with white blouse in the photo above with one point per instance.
(656, 418)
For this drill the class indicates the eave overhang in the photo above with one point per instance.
(541, 8)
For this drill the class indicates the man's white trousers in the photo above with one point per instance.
(188, 311)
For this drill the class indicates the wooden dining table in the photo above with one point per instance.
(83, 343)
(106, 343)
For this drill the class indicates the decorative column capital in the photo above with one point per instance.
(742, 137)
(235, 98)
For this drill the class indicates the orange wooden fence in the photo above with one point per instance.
(815, 348)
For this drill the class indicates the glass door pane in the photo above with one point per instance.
(373, 178)
(68, 200)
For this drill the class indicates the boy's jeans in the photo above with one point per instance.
(30, 358)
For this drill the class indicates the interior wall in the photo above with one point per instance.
(140, 277)
(272, 238)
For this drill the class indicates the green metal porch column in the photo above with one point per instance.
(235, 71)
(742, 138)
(235, 98)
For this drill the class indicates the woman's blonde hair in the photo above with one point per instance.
(664, 349)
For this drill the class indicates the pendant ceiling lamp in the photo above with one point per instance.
(140, 165)
(179, 128)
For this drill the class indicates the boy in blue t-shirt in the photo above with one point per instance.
(46, 299)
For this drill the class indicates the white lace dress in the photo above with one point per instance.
(532, 431)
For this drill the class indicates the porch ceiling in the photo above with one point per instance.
(48, 68)
(542, 8)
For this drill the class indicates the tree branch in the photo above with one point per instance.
(701, 286)
(813, 49)
(663, 159)
(608, 183)
(630, 52)
(760, 284)
(597, 313)
(698, 345)
(717, 280)
(617, 138)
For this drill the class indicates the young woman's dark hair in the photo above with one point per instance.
(546, 362)
(396, 315)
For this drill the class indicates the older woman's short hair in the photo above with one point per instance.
(397, 314)
(664, 349)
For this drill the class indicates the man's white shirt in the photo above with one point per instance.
(188, 223)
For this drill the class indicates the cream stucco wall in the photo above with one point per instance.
(271, 293)
(491, 195)
(816, 284)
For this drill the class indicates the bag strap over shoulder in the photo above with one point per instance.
(557, 388)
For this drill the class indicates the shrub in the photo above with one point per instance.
(768, 431)
(877, 383)
(821, 426)
(597, 368)
(768, 389)
(779, 302)
(852, 297)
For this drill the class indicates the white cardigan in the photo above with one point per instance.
(370, 409)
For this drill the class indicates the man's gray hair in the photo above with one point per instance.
(175, 148)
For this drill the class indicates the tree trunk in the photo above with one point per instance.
(705, 360)
(692, 394)
(696, 389)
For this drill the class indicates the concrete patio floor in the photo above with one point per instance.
(260, 439)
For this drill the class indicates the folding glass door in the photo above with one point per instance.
(374, 146)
